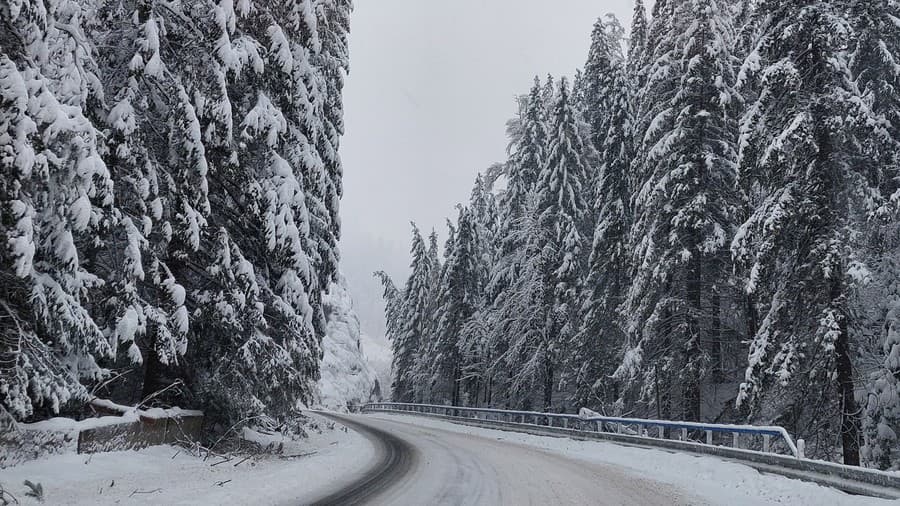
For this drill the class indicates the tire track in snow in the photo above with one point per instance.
(397, 458)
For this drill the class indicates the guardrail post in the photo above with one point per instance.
(684, 434)
(599, 426)
(565, 423)
(801, 448)
(618, 428)
(662, 432)
(709, 437)
(766, 441)
(736, 439)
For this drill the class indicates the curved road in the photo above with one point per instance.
(420, 465)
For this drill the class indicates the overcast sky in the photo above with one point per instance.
(431, 86)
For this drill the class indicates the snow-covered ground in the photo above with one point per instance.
(172, 476)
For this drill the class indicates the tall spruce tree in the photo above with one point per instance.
(684, 209)
(561, 191)
(600, 336)
(877, 47)
(798, 148)
(414, 321)
(459, 298)
(56, 198)
(523, 170)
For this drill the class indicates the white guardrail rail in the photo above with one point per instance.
(768, 449)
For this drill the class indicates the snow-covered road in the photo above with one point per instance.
(439, 466)
(427, 461)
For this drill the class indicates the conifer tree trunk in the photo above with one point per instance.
(849, 408)
(153, 370)
(716, 338)
(752, 316)
(456, 382)
(691, 387)
(548, 385)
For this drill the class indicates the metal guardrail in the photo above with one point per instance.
(699, 433)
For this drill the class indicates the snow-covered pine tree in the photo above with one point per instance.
(684, 209)
(421, 373)
(523, 170)
(877, 45)
(56, 196)
(161, 193)
(459, 298)
(474, 343)
(876, 335)
(393, 306)
(409, 343)
(637, 41)
(561, 190)
(604, 84)
(333, 63)
(516, 322)
(608, 110)
(528, 148)
(267, 179)
(876, 302)
(798, 149)
(548, 95)
(651, 70)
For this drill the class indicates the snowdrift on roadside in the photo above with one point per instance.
(347, 377)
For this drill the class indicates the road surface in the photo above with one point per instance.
(418, 465)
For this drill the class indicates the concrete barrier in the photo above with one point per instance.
(145, 432)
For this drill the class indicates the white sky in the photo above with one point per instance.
(431, 86)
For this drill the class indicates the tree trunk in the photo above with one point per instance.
(548, 386)
(455, 386)
(153, 374)
(849, 408)
(716, 338)
(692, 351)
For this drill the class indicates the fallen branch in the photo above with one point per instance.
(229, 459)
(288, 457)
(220, 483)
(157, 393)
(6, 498)
(239, 422)
(245, 459)
(139, 491)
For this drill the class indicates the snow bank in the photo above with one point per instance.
(347, 377)
(174, 476)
